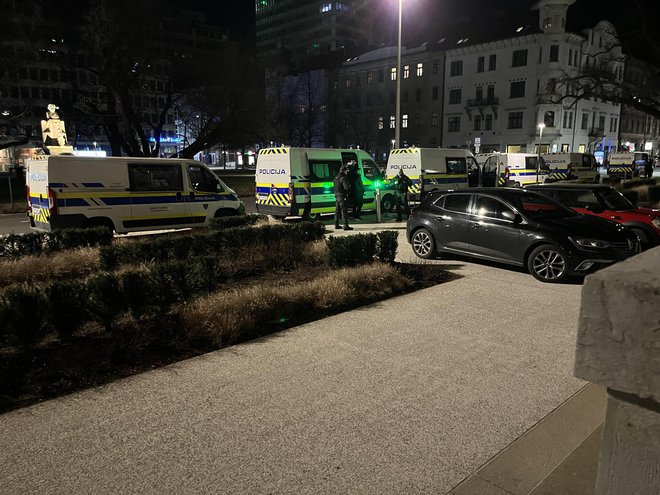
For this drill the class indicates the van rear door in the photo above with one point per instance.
(273, 182)
(41, 198)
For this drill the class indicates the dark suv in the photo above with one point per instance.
(518, 227)
(606, 202)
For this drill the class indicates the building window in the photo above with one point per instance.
(436, 66)
(454, 124)
(381, 123)
(406, 71)
(404, 121)
(490, 95)
(614, 124)
(435, 91)
(481, 62)
(570, 56)
(393, 74)
(392, 122)
(549, 118)
(420, 69)
(540, 54)
(517, 89)
(547, 23)
(479, 95)
(515, 120)
(456, 68)
(370, 77)
(554, 53)
(477, 122)
(434, 119)
(454, 96)
(519, 58)
(585, 121)
(492, 62)
(488, 124)
(348, 82)
(568, 120)
(418, 95)
(601, 123)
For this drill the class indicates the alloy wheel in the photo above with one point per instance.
(549, 265)
(422, 243)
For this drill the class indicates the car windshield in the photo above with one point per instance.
(611, 199)
(537, 206)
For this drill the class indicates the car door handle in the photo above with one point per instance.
(441, 217)
(475, 225)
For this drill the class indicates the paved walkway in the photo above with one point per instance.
(411, 395)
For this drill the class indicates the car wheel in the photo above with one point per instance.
(643, 238)
(423, 244)
(548, 263)
(387, 203)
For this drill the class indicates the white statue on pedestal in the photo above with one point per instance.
(52, 129)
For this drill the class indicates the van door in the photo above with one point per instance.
(322, 174)
(489, 173)
(206, 193)
(371, 175)
(156, 196)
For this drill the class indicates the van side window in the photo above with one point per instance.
(149, 177)
(370, 170)
(456, 165)
(324, 170)
(202, 180)
(457, 202)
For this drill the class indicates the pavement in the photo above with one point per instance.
(465, 387)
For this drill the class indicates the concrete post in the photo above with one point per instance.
(618, 346)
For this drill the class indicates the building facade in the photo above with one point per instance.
(499, 94)
(363, 99)
(292, 31)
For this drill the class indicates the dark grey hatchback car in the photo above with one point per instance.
(518, 227)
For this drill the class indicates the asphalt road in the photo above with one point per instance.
(410, 395)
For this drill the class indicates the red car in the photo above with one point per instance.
(606, 202)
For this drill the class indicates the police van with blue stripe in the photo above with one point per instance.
(514, 169)
(298, 182)
(432, 169)
(125, 194)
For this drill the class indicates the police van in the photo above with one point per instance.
(292, 182)
(432, 169)
(125, 194)
(513, 169)
(563, 165)
(626, 163)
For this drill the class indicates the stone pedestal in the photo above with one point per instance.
(618, 346)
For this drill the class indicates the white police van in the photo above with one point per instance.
(513, 169)
(125, 194)
(294, 181)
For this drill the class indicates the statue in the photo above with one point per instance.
(52, 129)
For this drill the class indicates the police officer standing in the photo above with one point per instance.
(357, 189)
(342, 190)
(402, 182)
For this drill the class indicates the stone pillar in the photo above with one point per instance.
(618, 346)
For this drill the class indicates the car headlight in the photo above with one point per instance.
(656, 222)
(589, 243)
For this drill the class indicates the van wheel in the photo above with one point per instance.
(100, 222)
(308, 216)
(548, 263)
(423, 243)
(516, 184)
(387, 203)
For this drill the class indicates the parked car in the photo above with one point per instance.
(519, 227)
(606, 202)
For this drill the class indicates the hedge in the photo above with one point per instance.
(222, 223)
(357, 249)
(36, 243)
(228, 241)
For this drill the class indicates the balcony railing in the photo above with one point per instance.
(483, 102)
(596, 131)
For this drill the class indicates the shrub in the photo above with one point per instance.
(387, 243)
(67, 306)
(141, 291)
(654, 194)
(222, 223)
(351, 250)
(34, 243)
(106, 298)
(24, 310)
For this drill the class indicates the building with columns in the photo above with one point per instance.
(500, 91)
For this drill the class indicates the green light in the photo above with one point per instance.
(327, 188)
(377, 184)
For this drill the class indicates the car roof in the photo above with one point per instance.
(540, 187)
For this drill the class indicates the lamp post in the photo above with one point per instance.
(538, 159)
(397, 129)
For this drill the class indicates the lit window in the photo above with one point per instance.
(404, 121)
(381, 124)
(370, 77)
(406, 71)
(348, 82)
(326, 7)
(420, 69)
(392, 122)
(393, 74)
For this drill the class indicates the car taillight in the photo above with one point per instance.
(27, 191)
(421, 187)
(52, 201)
(292, 197)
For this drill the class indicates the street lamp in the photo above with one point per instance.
(538, 159)
(397, 129)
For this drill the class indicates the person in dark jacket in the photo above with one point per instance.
(401, 182)
(342, 191)
(357, 189)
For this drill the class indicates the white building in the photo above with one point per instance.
(501, 91)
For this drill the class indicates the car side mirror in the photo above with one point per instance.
(511, 216)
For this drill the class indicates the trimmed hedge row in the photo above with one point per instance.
(228, 241)
(36, 243)
(357, 249)
(638, 182)
(222, 223)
